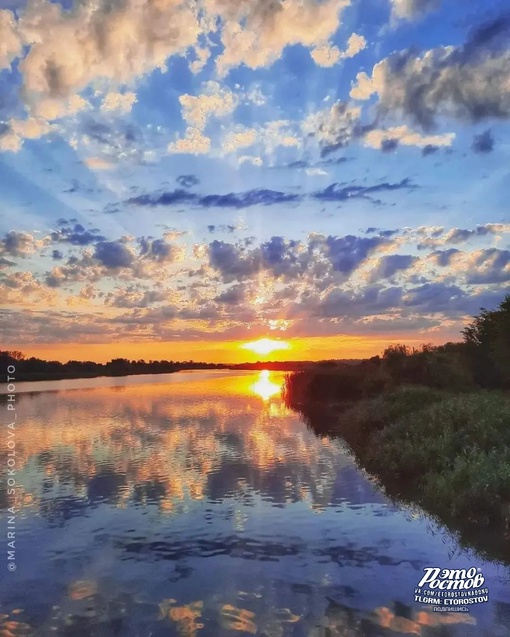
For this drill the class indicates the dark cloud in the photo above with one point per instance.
(76, 235)
(279, 256)
(157, 249)
(337, 127)
(232, 261)
(491, 266)
(172, 198)
(469, 82)
(5, 262)
(390, 265)
(460, 235)
(16, 244)
(235, 295)
(389, 145)
(429, 149)
(373, 299)
(113, 255)
(56, 255)
(381, 233)
(244, 200)
(339, 192)
(483, 143)
(222, 228)
(346, 253)
(256, 197)
(443, 257)
(187, 181)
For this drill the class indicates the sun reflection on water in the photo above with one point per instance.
(265, 387)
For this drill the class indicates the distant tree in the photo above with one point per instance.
(14, 355)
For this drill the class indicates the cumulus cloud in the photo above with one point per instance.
(347, 253)
(159, 250)
(335, 127)
(387, 266)
(9, 141)
(241, 139)
(122, 102)
(489, 266)
(215, 101)
(18, 244)
(194, 143)
(102, 40)
(255, 33)
(113, 255)
(469, 82)
(328, 55)
(11, 44)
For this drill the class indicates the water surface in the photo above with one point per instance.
(196, 504)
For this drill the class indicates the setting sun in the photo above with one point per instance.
(265, 346)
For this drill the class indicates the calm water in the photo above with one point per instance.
(196, 504)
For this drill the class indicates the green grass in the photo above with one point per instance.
(447, 451)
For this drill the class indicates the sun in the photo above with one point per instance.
(265, 346)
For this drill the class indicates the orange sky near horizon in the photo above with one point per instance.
(312, 349)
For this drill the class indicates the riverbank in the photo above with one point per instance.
(34, 370)
(446, 451)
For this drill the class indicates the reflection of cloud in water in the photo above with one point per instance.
(169, 444)
(91, 604)
(187, 508)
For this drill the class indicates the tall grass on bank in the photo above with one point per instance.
(448, 452)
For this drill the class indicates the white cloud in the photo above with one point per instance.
(195, 143)
(70, 49)
(355, 44)
(10, 41)
(407, 137)
(118, 101)
(202, 54)
(255, 33)
(326, 55)
(215, 101)
(10, 142)
(447, 81)
(242, 139)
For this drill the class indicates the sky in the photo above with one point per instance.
(180, 177)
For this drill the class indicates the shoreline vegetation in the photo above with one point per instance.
(35, 369)
(431, 425)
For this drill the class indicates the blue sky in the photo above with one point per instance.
(217, 171)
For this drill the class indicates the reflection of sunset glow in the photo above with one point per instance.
(266, 346)
(265, 387)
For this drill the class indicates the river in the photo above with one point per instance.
(196, 504)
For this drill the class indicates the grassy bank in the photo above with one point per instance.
(449, 452)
